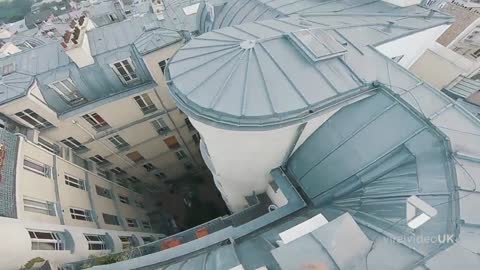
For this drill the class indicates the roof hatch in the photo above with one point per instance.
(317, 44)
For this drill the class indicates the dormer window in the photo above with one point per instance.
(125, 71)
(67, 90)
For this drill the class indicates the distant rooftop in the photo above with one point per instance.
(48, 62)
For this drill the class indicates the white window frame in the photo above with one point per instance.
(47, 145)
(127, 241)
(81, 214)
(40, 123)
(101, 241)
(109, 196)
(73, 95)
(39, 206)
(146, 224)
(181, 154)
(75, 182)
(145, 103)
(123, 199)
(98, 159)
(116, 218)
(118, 170)
(160, 126)
(129, 76)
(90, 118)
(131, 222)
(57, 239)
(46, 169)
(139, 204)
(118, 141)
(70, 141)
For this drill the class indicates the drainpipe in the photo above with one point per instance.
(131, 164)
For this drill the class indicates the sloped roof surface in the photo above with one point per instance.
(258, 74)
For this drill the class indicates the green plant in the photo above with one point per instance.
(30, 263)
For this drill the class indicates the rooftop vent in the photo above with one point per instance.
(317, 44)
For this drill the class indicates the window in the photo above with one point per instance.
(181, 155)
(118, 170)
(127, 241)
(123, 199)
(134, 179)
(163, 64)
(135, 156)
(50, 147)
(74, 144)
(81, 214)
(67, 90)
(476, 54)
(39, 206)
(45, 240)
(196, 138)
(99, 160)
(149, 167)
(145, 103)
(189, 124)
(160, 126)
(34, 119)
(96, 121)
(36, 167)
(103, 192)
(147, 239)
(146, 224)
(131, 222)
(118, 141)
(96, 242)
(102, 173)
(74, 182)
(172, 142)
(125, 71)
(110, 219)
(139, 204)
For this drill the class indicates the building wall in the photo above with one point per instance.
(17, 250)
(237, 174)
(411, 46)
(439, 66)
(33, 185)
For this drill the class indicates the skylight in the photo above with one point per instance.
(317, 44)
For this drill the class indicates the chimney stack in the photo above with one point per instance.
(75, 42)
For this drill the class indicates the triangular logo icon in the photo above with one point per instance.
(426, 212)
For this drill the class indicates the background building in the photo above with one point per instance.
(54, 209)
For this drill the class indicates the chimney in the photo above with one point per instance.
(403, 3)
(158, 8)
(75, 42)
(7, 49)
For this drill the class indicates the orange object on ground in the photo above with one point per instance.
(171, 243)
(202, 232)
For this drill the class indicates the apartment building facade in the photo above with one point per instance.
(101, 101)
(56, 210)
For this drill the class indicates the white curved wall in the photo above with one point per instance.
(243, 159)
